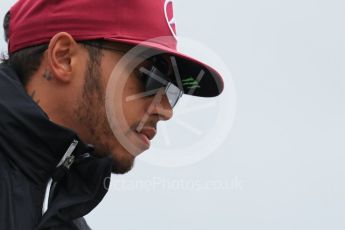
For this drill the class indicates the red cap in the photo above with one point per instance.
(35, 22)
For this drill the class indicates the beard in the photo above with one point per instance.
(91, 114)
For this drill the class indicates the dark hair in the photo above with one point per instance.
(7, 25)
(27, 61)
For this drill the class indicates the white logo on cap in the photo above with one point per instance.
(171, 22)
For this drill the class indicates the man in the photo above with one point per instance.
(58, 141)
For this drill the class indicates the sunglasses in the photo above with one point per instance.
(154, 77)
(159, 76)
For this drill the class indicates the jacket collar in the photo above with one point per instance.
(27, 136)
(35, 145)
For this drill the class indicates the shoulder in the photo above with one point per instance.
(81, 224)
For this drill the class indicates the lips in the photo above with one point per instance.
(146, 134)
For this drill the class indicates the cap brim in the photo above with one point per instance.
(196, 78)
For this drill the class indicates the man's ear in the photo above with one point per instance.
(62, 49)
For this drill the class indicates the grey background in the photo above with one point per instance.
(283, 161)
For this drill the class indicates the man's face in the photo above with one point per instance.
(141, 114)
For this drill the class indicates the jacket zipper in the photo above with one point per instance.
(66, 162)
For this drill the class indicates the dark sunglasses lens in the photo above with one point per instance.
(153, 79)
(173, 93)
(157, 77)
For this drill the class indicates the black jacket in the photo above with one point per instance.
(35, 165)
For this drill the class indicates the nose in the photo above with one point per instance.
(161, 106)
